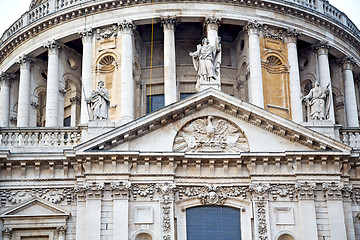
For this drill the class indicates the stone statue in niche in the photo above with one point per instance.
(207, 60)
(210, 135)
(99, 103)
(319, 102)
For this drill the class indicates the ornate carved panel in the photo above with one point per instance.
(210, 134)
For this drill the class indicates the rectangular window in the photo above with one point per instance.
(156, 102)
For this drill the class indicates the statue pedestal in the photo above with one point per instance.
(96, 127)
(325, 127)
(210, 84)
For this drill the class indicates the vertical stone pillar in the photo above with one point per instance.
(6, 234)
(127, 108)
(295, 89)
(260, 199)
(86, 73)
(80, 213)
(120, 210)
(212, 24)
(256, 95)
(61, 231)
(306, 196)
(350, 95)
(335, 210)
(5, 80)
(24, 91)
(167, 210)
(52, 86)
(75, 101)
(170, 92)
(348, 211)
(322, 50)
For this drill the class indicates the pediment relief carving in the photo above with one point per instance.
(210, 134)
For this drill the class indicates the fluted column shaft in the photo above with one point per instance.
(256, 95)
(5, 81)
(324, 72)
(24, 92)
(86, 74)
(169, 60)
(350, 95)
(295, 90)
(52, 87)
(127, 111)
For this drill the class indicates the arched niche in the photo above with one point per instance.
(143, 236)
(286, 237)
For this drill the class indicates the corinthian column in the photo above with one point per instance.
(322, 50)
(212, 24)
(350, 96)
(5, 80)
(255, 82)
(168, 24)
(86, 75)
(127, 82)
(52, 86)
(295, 90)
(24, 92)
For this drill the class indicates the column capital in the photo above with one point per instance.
(253, 27)
(6, 232)
(322, 47)
(6, 78)
(86, 35)
(61, 230)
(126, 26)
(25, 62)
(347, 63)
(53, 47)
(168, 22)
(212, 22)
(291, 35)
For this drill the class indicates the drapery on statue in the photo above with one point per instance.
(99, 103)
(319, 102)
(207, 60)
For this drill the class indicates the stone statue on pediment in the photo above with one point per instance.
(99, 103)
(207, 60)
(319, 102)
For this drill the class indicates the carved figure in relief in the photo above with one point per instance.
(207, 60)
(210, 134)
(99, 103)
(319, 102)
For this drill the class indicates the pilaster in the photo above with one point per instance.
(120, 194)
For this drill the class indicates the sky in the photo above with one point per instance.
(11, 10)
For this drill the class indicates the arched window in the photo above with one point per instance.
(213, 223)
(143, 236)
(286, 237)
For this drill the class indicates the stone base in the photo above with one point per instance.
(97, 127)
(211, 84)
(325, 127)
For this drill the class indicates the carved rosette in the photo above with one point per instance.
(305, 190)
(210, 135)
(333, 191)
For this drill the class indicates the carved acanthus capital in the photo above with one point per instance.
(282, 191)
(107, 32)
(259, 191)
(168, 22)
(147, 190)
(86, 35)
(212, 22)
(253, 27)
(120, 190)
(6, 233)
(333, 190)
(322, 47)
(61, 230)
(305, 190)
(126, 27)
(292, 35)
(89, 190)
(347, 63)
(25, 62)
(6, 78)
(53, 47)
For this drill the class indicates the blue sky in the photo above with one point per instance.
(11, 10)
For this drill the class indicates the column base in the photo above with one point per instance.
(95, 128)
(326, 127)
(211, 84)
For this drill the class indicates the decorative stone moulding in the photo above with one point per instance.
(210, 135)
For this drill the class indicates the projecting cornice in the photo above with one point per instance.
(224, 103)
(22, 31)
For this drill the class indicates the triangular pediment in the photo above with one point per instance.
(35, 208)
(264, 131)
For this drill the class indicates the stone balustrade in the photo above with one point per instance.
(350, 136)
(51, 6)
(39, 137)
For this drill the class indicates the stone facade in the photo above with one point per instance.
(245, 140)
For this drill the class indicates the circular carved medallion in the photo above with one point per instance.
(210, 135)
